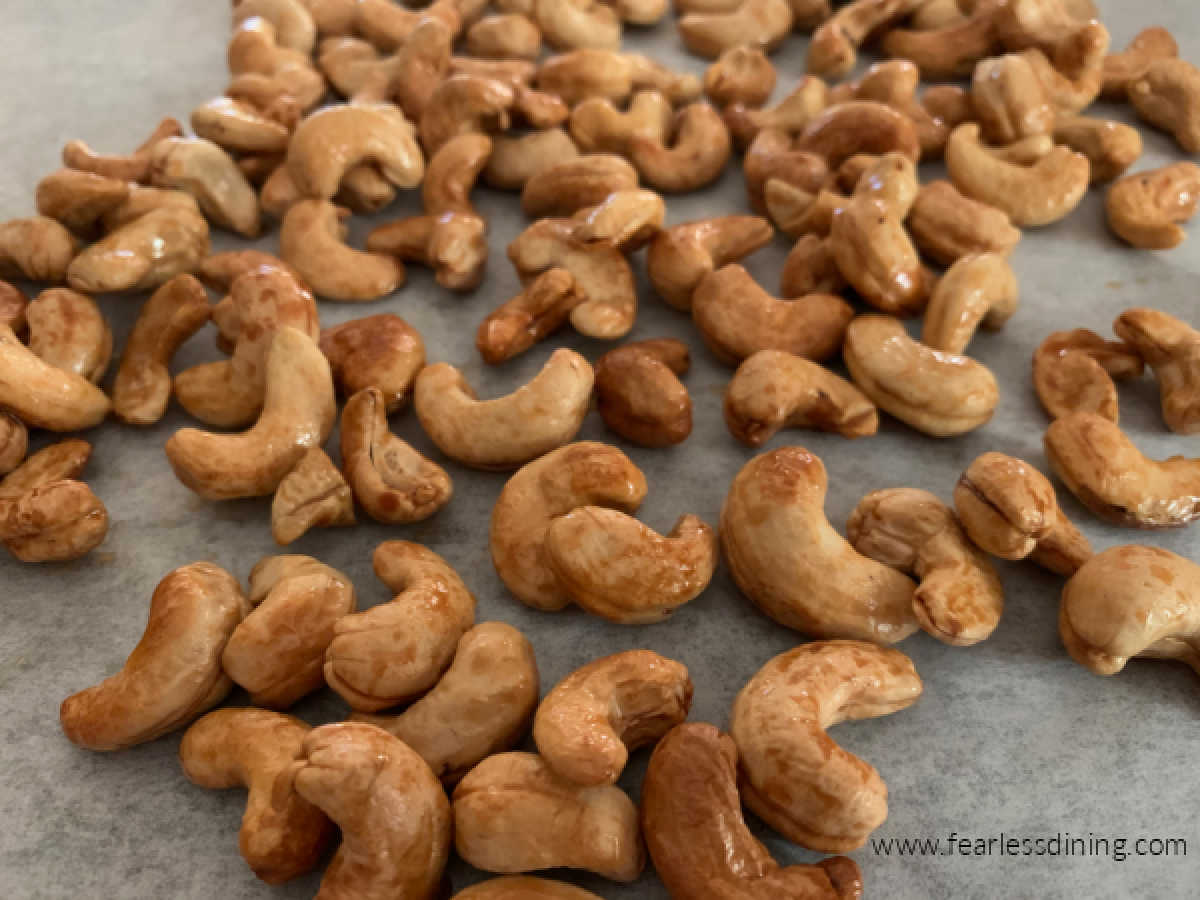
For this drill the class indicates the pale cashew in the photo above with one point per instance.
(79, 200)
(1009, 508)
(699, 842)
(571, 185)
(699, 151)
(576, 475)
(1110, 147)
(312, 241)
(578, 24)
(959, 599)
(810, 269)
(1131, 601)
(772, 390)
(976, 290)
(515, 160)
(790, 115)
(741, 75)
(463, 104)
(391, 480)
(43, 395)
(135, 167)
(788, 559)
(509, 431)
(625, 220)
(282, 835)
(68, 331)
(312, 495)
(639, 394)
(586, 73)
(209, 174)
(14, 443)
(681, 256)
(1147, 209)
(512, 813)
(794, 776)
(482, 706)
(173, 674)
(144, 254)
(1124, 68)
(531, 316)
(859, 126)
(36, 249)
(297, 414)
(504, 36)
(292, 20)
(939, 394)
(752, 23)
(1009, 100)
(397, 651)
(946, 225)
(1073, 371)
(64, 460)
(951, 51)
(56, 521)
(597, 126)
(591, 721)
(523, 887)
(381, 351)
(392, 812)
(278, 650)
(834, 47)
(1171, 348)
(1112, 478)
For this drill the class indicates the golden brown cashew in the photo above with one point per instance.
(512, 813)
(238, 126)
(332, 17)
(788, 559)
(833, 51)
(334, 140)
(790, 115)
(312, 242)
(1009, 100)
(292, 20)
(951, 51)
(576, 475)
(772, 390)
(586, 73)
(393, 482)
(597, 126)
(135, 167)
(464, 104)
(1110, 147)
(1124, 68)
(531, 316)
(68, 331)
(35, 249)
(567, 187)
(483, 704)
(946, 225)
(57, 521)
(699, 151)
(737, 318)
(810, 269)
(381, 351)
(976, 290)
(12, 307)
(392, 812)
(859, 126)
(681, 256)
(1171, 348)
(298, 413)
(698, 840)
(1131, 601)
(1167, 96)
(793, 774)
(278, 651)
(1112, 478)
(312, 495)
(1073, 371)
(639, 394)
(522, 887)
(959, 599)
(282, 835)
(395, 652)
(14, 442)
(504, 36)
(64, 460)
(512, 71)
(144, 200)
(741, 75)
(79, 200)
(173, 674)
(591, 721)
(44, 396)
(209, 174)
(1147, 209)
(626, 220)
(751, 23)
(515, 160)
(578, 24)
(143, 254)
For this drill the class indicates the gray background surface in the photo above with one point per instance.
(1010, 736)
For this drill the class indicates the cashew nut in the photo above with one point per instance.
(680, 257)
(389, 26)
(35, 249)
(578, 24)
(810, 269)
(794, 776)
(173, 674)
(12, 307)
(1124, 68)
(946, 225)
(312, 495)
(531, 316)
(64, 460)
(143, 254)
(1171, 348)
(54, 521)
(312, 242)
(597, 126)
(1009, 100)
(752, 23)
(381, 351)
(1073, 371)
(464, 104)
(571, 185)
(504, 36)
(584, 73)
(135, 167)
(209, 174)
(834, 47)
(68, 331)
(1146, 209)
(43, 395)
(237, 126)
(625, 220)
(292, 20)
(522, 887)
(639, 394)
(143, 200)
(1110, 147)
(741, 75)
(976, 290)
(14, 443)
(700, 149)
(859, 126)
(951, 51)
(79, 200)
(515, 160)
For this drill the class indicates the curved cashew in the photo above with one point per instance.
(43, 395)
(741, 76)
(1146, 210)
(793, 774)
(393, 482)
(1171, 348)
(1124, 68)
(36, 249)
(699, 152)
(237, 126)
(959, 599)
(1112, 478)
(209, 174)
(297, 414)
(1073, 371)
(504, 36)
(64, 460)
(54, 521)
(282, 835)
(788, 559)
(597, 126)
(312, 495)
(946, 225)
(522, 887)
(626, 220)
(512, 813)
(482, 705)
(833, 50)
(681, 256)
(173, 674)
(591, 721)
(752, 23)
(135, 167)
(144, 200)
(392, 812)
(531, 316)
(772, 390)
(464, 104)
(397, 651)
(976, 290)
(951, 51)
(292, 20)
(578, 24)
(639, 394)
(1131, 601)
(1111, 147)
(859, 126)
(698, 840)
(790, 115)
(68, 331)
(567, 187)
(1071, 70)
(79, 200)
(390, 26)
(381, 351)
(143, 254)
(810, 269)
(506, 432)
(1009, 100)
(580, 74)
(1009, 509)
(515, 160)
(312, 242)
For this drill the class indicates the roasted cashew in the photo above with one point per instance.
(793, 775)
(12, 307)
(209, 174)
(135, 167)
(144, 254)
(531, 316)
(298, 413)
(737, 318)
(626, 220)
(977, 290)
(482, 705)
(699, 151)
(810, 269)
(1073, 371)
(772, 390)
(391, 480)
(946, 225)
(949, 52)
(578, 24)
(1171, 348)
(14, 443)
(282, 835)
(312, 495)
(788, 559)
(1009, 100)
(515, 160)
(522, 887)
(597, 126)
(389, 26)
(68, 331)
(144, 200)
(392, 812)
(959, 599)
(752, 23)
(332, 17)
(681, 256)
(173, 674)
(741, 75)
(395, 652)
(238, 127)
(1124, 68)
(43, 395)
(312, 242)
(591, 721)
(859, 126)
(79, 200)
(293, 22)
(1147, 209)
(512, 71)
(639, 394)
(581, 474)
(834, 47)
(1131, 601)
(464, 104)
(36, 249)
(54, 521)
(1110, 147)
(512, 813)
(64, 460)
(934, 14)
(586, 73)
(504, 36)
(699, 842)
(509, 431)
(1073, 75)
(381, 351)
(567, 187)
(1112, 478)
(798, 213)
(790, 115)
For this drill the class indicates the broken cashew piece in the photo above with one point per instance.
(1167, 96)
(1073, 371)
(976, 290)
(1147, 209)
(681, 256)
(639, 394)
(534, 314)
(381, 351)
(312, 242)
(312, 495)
(134, 167)
(44, 396)
(1171, 348)
(693, 154)
(202, 169)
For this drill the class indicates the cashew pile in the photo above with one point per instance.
(448, 745)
